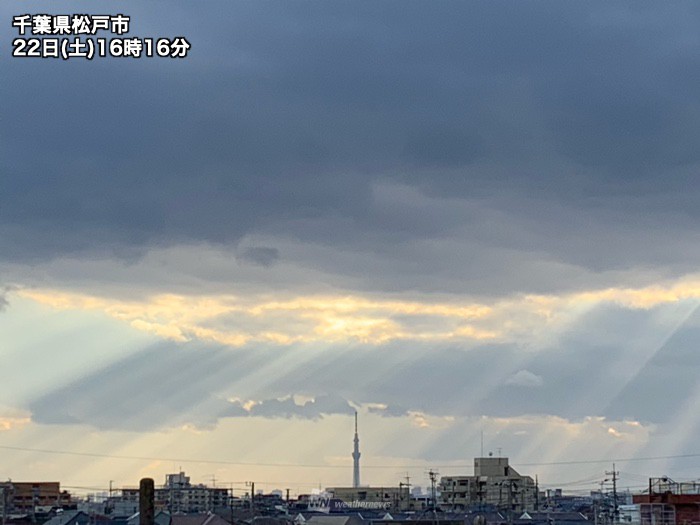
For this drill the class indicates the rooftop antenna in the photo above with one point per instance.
(482, 443)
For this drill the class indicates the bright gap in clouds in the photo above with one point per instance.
(441, 430)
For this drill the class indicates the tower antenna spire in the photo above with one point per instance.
(356, 458)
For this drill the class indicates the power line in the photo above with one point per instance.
(311, 465)
(608, 460)
(583, 481)
(208, 461)
(98, 489)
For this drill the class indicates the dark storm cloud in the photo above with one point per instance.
(4, 292)
(260, 255)
(574, 123)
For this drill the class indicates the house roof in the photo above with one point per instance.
(69, 517)
(556, 516)
(335, 520)
(161, 518)
(198, 519)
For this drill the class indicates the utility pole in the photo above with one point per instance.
(453, 495)
(510, 502)
(603, 504)
(433, 477)
(251, 484)
(110, 503)
(408, 491)
(408, 494)
(614, 475)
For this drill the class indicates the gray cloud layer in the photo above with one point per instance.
(645, 376)
(533, 142)
(287, 408)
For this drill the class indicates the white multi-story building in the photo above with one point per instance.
(494, 483)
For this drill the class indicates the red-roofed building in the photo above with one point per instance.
(669, 503)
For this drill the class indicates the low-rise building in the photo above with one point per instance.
(669, 503)
(495, 483)
(27, 497)
(179, 495)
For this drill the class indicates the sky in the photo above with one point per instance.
(455, 218)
